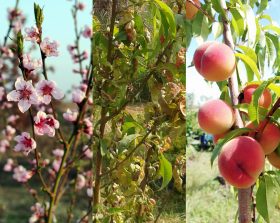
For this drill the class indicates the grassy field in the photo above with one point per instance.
(207, 200)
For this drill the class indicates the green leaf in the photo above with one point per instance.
(232, 134)
(103, 146)
(217, 29)
(273, 28)
(265, 197)
(126, 141)
(249, 52)
(270, 50)
(19, 43)
(251, 24)
(262, 6)
(167, 12)
(246, 59)
(39, 16)
(165, 171)
(218, 8)
(237, 22)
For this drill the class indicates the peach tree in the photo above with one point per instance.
(245, 119)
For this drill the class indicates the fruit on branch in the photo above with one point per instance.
(214, 61)
(191, 10)
(241, 161)
(130, 31)
(274, 158)
(180, 59)
(215, 117)
(265, 99)
(270, 137)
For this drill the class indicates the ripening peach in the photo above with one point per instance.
(274, 158)
(241, 161)
(215, 117)
(270, 137)
(265, 99)
(191, 10)
(214, 61)
(217, 137)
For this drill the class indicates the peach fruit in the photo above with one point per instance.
(265, 99)
(217, 137)
(214, 61)
(191, 10)
(241, 161)
(215, 117)
(270, 137)
(274, 158)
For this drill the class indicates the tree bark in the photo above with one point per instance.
(244, 195)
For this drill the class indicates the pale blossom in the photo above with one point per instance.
(21, 174)
(87, 32)
(14, 13)
(31, 64)
(56, 164)
(4, 145)
(47, 89)
(89, 192)
(25, 143)
(88, 127)
(88, 153)
(32, 34)
(58, 153)
(6, 52)
(8, 167)
(38, 213)
(70, 116)
(80, 6)
(78, 96)
(49, 48)
(45, 124)
(81, 181)
(12, 119)
(2, 93)
(25, 94)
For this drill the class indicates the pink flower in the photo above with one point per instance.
(2, 93)
(21, 174)
(78, 96)
(46, 89)
(56, 164)
(58, 153)
(88, 128)
(32, 34)
(4, 145)
(49, 48)
(6, 52)
(14, 13)
(80, 6)
(89, 192)
(12, 119)
(70, 116)
(9, 165)
(38, 213)
(25, 94)
(81, 181)
(30, 64)
(9, 132)
(88, 153)
(87, 33)
(25, 143)
(45, 124)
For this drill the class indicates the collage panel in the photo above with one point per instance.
(233, 132)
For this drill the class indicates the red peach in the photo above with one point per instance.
(215, 117)
(270, 137)
(274, 158)
(217, 137)
(241, 161)
(215, 61)
(265, 99)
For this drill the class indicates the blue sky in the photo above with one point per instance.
(195, 83)
(59, 26)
